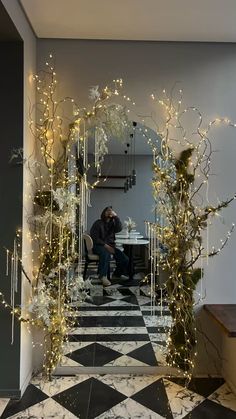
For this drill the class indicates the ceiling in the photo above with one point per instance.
(8, 31)
(139, 20)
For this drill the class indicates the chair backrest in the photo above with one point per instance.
(88, 244)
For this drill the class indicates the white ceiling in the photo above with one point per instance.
(141, 20)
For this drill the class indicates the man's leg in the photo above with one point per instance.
(122, 262)
(104, 259)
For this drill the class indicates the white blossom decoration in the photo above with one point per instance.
(94, 93)
(129, 224)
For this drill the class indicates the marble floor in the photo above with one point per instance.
(123, 397)
(118, 327)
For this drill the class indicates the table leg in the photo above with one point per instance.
(131, 263)
(129, 251)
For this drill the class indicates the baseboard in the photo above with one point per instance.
(10, 394)
(16, 393)
(73, 370)
(26, 383)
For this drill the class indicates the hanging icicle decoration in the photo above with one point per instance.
(207, 228)
(14, 285)
(59, 265)
(51, 203)
(101, 148)
(7, 262)
(15, 266)
(201, 280)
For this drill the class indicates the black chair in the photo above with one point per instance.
(91, 257)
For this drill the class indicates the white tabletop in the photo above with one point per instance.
(131, 236)
(131, 241)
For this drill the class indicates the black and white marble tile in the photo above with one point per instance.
(210, 410)
(158, 337)
(121, 308)
(128, 384)
(94, 355)
(48, 409)
(67, 362)
(110, 313)
(89, 399)
(109, 321)
(108, 330)
(118, 337)
(119, 320)
(124, 347)
(129, 409)
(225, 397)
(154, 397)
(3, 404)
(181, 400)
(160, 352)
(155, 321)
(32, 396)
(123, 396)
(126, 361)
(58, 384)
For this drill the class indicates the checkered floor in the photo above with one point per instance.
(123, 397)
(118, 327)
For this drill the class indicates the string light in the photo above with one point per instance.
(177, 231)
(180, 236)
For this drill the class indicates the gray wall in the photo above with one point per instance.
(137, 203)
(208, 75)
(16, 369)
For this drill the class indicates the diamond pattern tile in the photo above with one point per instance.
(144, 354)
(203, 386)
(31, 396)
(94, 355)
(126, 396)
(211, 410)
(122, 340)
(224, 396)
(154, 397)
(89, 399)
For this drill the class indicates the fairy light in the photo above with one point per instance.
(182, 216)
(185, 220)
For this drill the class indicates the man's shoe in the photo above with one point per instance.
(105, 281)
(120, 278)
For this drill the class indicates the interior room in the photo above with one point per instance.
(117, 295)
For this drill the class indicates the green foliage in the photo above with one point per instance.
(183, 177)
(182, 163)
(43, 199)
(191, 279)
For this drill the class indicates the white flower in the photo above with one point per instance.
(129, 223)
(78, 289)
(17, 154)
(64, 198)
(39, 304)
(94, 94)
(60, 197)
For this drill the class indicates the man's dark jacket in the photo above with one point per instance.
(103, 232)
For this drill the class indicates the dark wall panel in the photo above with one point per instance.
(11, 185)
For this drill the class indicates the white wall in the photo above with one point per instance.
(18, 17)
(137, 203)
(208, 76)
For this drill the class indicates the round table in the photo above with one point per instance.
(126, 236)
(130, 243)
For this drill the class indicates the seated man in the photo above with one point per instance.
(103, 234)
